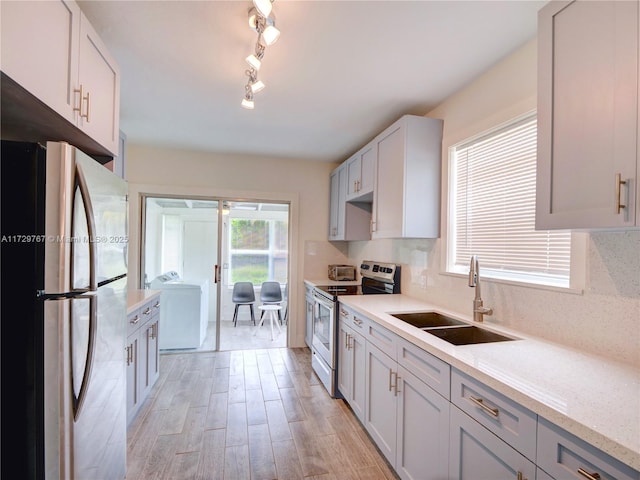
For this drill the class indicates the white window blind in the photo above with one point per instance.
(493, 191)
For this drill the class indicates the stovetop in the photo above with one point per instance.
(337, 290)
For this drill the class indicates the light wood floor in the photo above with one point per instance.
(253, 414)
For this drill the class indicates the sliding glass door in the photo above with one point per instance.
(195, 250)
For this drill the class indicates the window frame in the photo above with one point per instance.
(579, 240)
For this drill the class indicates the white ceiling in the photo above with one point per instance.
(340, 72)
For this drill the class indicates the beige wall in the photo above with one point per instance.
(305, 184)
(604, 319)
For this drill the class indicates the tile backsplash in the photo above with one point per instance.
(604, 319)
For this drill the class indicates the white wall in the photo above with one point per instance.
(305, 184)
(605, 319)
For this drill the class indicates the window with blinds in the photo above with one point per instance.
(492, 210)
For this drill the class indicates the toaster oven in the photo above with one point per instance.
(342, 272)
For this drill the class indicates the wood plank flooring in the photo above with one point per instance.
(247, 414)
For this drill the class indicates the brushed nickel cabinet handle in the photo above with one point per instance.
(480, 403)
(86, 115)
(357, 321)
(147, 311)
(390, 376)
(134, 320)
(619, 182)
(157, 305)
(590, 476)
(396, 390)
(521, 476)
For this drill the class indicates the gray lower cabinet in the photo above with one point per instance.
(435, 422)
(564, 456)
(477, 454)
(380, 407)
(142, 353)
(408, 420)
(423, 430)
(351, 369)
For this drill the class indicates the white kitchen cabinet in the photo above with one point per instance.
(40, 45)
(381, 400)
(587, 167)
(351, 365)
(361, 174)
(505, 418)
(408, 420)
(422, 429)
(142, 354)
(308, 333)
(347, 221)
(99, 84)
(477, 454)
(53, 52)
(578, 459)
(406, 200)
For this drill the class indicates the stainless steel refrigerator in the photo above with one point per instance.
(64, 284)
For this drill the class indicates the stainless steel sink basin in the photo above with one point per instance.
(427, 319)
(468, 335)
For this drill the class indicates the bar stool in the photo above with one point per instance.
(272, 311)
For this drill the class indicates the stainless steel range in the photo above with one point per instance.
(377, 278)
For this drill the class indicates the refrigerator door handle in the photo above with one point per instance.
(78, 401)
(91, 226)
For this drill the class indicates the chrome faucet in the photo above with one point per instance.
(474, 281)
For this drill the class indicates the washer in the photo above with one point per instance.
(184, 312)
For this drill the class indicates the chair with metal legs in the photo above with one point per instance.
(270, 294)
(243, 294)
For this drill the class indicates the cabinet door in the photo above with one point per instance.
(358, 376)
(368, 160)
(309, 321)
(354, 167)
(477, 454)
(587, 109)
(380, 408)
(153, 351)
(99, 79)
(388, 202)
(40, 50)
(337, 198)
(345, 362)
(133, 394)
(423, 430)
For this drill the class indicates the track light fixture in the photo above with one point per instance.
(263, 22)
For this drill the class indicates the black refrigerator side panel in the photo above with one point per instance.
(22, 274)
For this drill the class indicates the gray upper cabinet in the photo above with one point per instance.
(361, 170)
(51, 50)
(587, 115)
(406, 198)
(347, 221)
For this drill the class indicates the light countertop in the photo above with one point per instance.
(594, 398)
(137, 298)
(326, 282)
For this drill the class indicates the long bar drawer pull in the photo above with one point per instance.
(480, 403)
(590, 476)
(619, 183)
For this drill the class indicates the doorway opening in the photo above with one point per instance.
(195, 250)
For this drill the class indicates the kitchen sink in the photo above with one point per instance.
(467, 335)
(427, 319)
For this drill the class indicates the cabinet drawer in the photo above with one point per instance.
(146, 312)
(382, 338)
(155, 307)
(353, 320)
(431, 370)
(565, 456)
(510, 421)
(134, 321)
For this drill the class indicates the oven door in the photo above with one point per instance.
(324, 329)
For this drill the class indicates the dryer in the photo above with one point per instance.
(184, 312)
